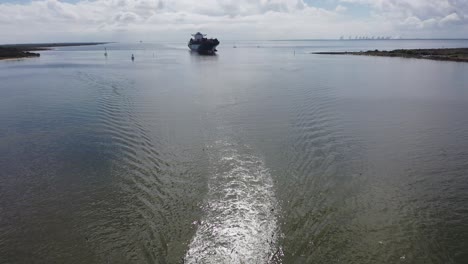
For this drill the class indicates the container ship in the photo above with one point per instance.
(199, 43)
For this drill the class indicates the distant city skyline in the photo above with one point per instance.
(156, 20)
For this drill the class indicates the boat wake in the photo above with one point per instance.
(240, 222)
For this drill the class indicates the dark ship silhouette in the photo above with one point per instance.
(199, 43)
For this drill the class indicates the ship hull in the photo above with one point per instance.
(206, 48)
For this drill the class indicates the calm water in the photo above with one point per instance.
(264, 153)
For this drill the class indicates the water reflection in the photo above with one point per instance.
(253, 154)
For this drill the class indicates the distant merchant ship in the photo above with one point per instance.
(201, 44)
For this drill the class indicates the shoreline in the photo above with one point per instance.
(445, 54)
(19, 51)
(15, 53)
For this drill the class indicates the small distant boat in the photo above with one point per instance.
(201, 44)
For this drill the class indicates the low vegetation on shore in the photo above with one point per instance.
(458, 54)
(13, 53)
(16, 51)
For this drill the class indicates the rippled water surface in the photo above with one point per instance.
(264, 153)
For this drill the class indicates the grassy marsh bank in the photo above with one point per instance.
(457, 54)
(16, 51)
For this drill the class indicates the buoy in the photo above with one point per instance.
(133, 57)
(105, 52)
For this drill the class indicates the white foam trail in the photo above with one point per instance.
(240, 225)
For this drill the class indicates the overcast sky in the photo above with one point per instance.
(174, 20)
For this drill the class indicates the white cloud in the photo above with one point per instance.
(422, 18)
(120, 20)
(421, 9)
(115, 19)
(453, 18)
(412, 23)
(340, 8)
